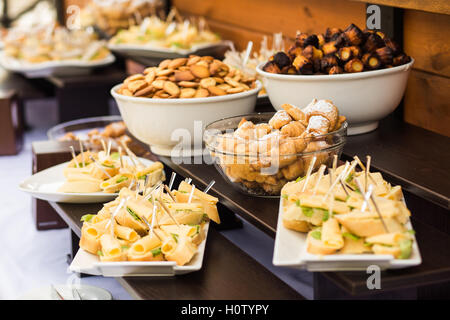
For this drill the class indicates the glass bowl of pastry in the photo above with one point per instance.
(259, 153)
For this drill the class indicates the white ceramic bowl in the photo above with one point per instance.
(364, 98)
(170, 126)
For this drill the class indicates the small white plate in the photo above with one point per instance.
(85, 262)
(290, 251)
(52, 68)
(149, 51)
(44, 185)
(86, 292)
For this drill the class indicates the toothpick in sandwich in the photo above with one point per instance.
(367, 171)
(320, 175)
(82, 153)
(308, 174)
(191, 194)
(72, 150)
(209, 186)
(170, 193)
(161, 203)
(100, 167)
(172, 179)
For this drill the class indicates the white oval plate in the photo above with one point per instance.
(290, 251)
(44, 185)
(88, 263)
(86, 292)
(52, 68)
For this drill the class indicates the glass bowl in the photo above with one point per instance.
(262, 166)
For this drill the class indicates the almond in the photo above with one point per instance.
(215, 91)
(201, 93)
(133, 78)
(127, 92)
(187, 92)
(200, 71)
(175, 63)
(207, 82)
(143, 92)
(231, 82)
(171, 88)
(134, 86)
(164, 64)
(147, 70)
(219, 80)
(158, 84)
(163, 72)
(193, 60)
(184, 76)
(235, 90)
(150, 76)
(188, 84)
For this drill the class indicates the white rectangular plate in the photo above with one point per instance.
(290, 251)
(44, 185)
(149, 51)
(85, 262)
(52, 68)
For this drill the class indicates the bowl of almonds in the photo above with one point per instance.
(168, 106)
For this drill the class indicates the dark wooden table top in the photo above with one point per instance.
(227, 272)
(105, 76)
(415, 158)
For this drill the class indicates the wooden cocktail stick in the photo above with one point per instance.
(379, 212)
(364, 168)
(333, 185)
(170, 193)
(161, 203)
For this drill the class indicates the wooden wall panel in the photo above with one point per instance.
(437, 6)
(426, 102)
(270, 16)
(426, 39)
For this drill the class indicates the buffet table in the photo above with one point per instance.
(427, 204)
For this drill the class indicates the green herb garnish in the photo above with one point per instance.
(115, 155)
(405, 249)
(307, 211)
(142, 177)
(121, 179)
(133, 214)
(99, 253)
(316, 234)
(326, 215)
(156, 252)
(297, 203)
(299, 179)
(285, 196)
(175, 237)
(350, 236)
(108, 166)
(125, 247)
(87, 217)
(411, 232)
